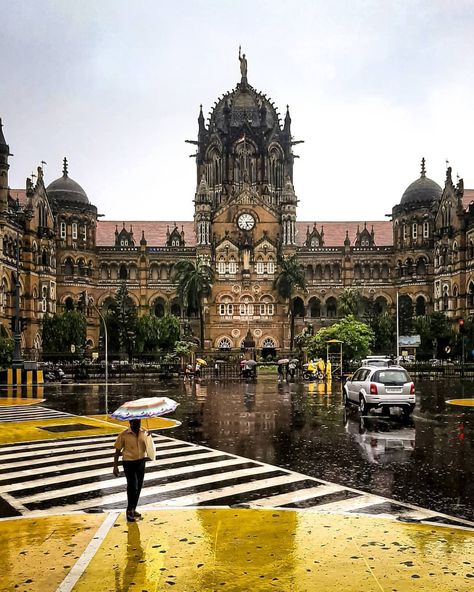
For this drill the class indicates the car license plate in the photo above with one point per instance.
(397, 391)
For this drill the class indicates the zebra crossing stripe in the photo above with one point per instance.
(18, 413)
(349, 505)
(52, 442)
(221, 492)
(276, 501)
(120, 482)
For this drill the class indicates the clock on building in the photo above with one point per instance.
(246, 221)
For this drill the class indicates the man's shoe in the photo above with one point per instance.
(130, 517)
(137, 514)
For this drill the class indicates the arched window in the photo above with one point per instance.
(159, 307)
(123, 272)
(260, 267)
(414, 231)
(224, 343)
(221, 266)
(470, 295)
(232, 266)
(298, 307)
(69, 304)
(331, 307)
(68, 267)
(74, 231)
(175, 308)
(314, 308)
(421, 266)
(268, 343)
(426, 229)
(62, 230)
(420, 306)
(380, 305)
(270, 266)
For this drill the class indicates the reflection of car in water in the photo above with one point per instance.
(382, 440)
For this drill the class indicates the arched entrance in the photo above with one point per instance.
(268, 349)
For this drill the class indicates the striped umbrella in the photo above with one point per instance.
(144, 408)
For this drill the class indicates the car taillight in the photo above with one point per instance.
(412, 389)
(373, 389)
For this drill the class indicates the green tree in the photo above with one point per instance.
(194, 284)
(348, 303)
(290, 278)
(435, 331)
(121, 319)
(156, 333)
(384, 329)
(6, 350)
(356, 336)
(60, 331)
(405, 315)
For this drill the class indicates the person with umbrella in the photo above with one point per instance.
(136, 445)
(131, 444)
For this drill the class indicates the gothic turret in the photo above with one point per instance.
(4, 166)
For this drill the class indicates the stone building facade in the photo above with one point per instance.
(245, 218)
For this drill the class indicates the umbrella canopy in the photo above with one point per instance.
(294, 361)
(250, 362)
(143, 408)
(201, 362)
(284, 361)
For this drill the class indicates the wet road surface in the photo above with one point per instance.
(426, 461)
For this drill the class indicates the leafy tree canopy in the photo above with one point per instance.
(60, 331)
(357, 338)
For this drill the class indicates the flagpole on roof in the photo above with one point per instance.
(398, 333)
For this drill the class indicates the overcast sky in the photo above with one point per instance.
(115, 85)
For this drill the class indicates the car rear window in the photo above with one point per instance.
(391, 377)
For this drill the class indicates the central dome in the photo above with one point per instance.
(242, 105)
(66, 189)
(423, 190)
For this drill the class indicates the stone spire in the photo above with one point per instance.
(287, 124)
(423, 168)
(4, 166)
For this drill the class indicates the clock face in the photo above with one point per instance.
(246, 221)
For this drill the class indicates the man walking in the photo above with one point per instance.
(131, 443)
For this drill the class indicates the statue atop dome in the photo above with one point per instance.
(243, 66)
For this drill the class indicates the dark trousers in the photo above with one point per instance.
(134, 472)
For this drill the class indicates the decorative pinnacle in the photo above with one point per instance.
(423, 168)
(65, 167)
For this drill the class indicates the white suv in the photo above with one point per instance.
(375, 387)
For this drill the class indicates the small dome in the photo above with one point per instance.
(66, 189)
(423, 190)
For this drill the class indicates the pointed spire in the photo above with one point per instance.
(347, 242)
(287, 124)
(65, 171)
(2, 137)
(423, 168)
(143, 239)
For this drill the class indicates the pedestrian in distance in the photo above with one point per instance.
(132, 445)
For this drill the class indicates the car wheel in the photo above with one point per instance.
(363, 406)
(407, 411)
(345, 398)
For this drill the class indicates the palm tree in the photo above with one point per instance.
(289, 279)
(194, 283)
(348, 303)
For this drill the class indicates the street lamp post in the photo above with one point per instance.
(106, 353)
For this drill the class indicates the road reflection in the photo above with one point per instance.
(304, 427)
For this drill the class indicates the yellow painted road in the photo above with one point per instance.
(201, 550)
(24, 431)
(37, 553)
(461, 402)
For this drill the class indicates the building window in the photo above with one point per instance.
(414, 230)
(405, 232)
(243, 310)
(271, 266)
(426, 229)
(221, 267)
(74, 231)
(62, 231)
(232, 266)
(260, 267)
(222, 309)
(270, 309)
(225, 343)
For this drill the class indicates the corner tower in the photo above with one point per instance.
(4, 166)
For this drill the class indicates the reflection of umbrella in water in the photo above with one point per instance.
(201, 362)
(143, 408)
(250, 362)
(284, 361)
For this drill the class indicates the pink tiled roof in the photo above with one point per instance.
(19, 194)
(335, 232)
(155, 232)
(467, 197)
